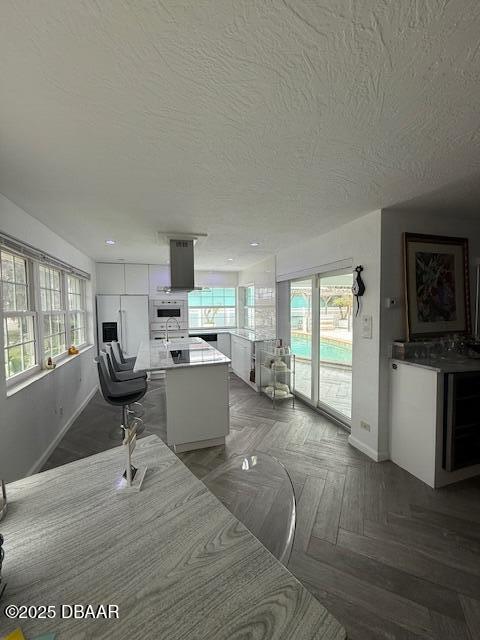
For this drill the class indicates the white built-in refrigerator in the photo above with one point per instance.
(123, 318)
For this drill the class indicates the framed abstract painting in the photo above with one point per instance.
(436, 285)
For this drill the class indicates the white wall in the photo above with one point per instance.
(216, 278)
(355, 243)
(283, 310)
(394, 224)
(262, 276)
(32, 419)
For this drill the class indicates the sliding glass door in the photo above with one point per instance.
(335, 357)
(321, 339)
(301, 319)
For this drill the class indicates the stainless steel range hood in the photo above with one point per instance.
(181, 247)
(182, 276)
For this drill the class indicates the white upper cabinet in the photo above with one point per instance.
(110, 278)
(120, 279)
(136, 279)
(159, 278)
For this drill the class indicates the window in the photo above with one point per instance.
(53, 312)
(76, 311)
(42, 312)
(249, 308)
(18, 318)
(212, 308)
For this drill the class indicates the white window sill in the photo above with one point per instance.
(45, 372)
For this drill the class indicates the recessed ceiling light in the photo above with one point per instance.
(230, 259)
(254, 244)
(110, 242)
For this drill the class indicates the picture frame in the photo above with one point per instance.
(437, 285)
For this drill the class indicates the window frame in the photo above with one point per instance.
(200, 308)
(36, 312)
(248, 307)
(19, 377)
(71, 312)
(51, 312)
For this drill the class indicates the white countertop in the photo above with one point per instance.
(252, 336)
(155, 355)
(443, 364)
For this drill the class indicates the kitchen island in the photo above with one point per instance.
(196, 388)
(171, 558)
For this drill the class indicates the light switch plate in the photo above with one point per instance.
(366, 326)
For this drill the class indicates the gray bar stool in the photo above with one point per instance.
(124, 376)
(121, 394)
(119, 361)
(121, 355)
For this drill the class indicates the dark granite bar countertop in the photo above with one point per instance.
(443, 364)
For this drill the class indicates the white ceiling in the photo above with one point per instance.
(268, 121)
(461, 197)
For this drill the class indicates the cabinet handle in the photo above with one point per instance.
(124, 330)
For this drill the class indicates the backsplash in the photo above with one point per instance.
(265, 309)
(262, 276)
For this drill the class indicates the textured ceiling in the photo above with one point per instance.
(461, 198)
(267, 121)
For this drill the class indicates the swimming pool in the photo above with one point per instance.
(329, 351)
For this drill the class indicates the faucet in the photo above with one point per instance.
(166, 327)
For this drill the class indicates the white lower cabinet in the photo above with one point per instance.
(419, 417)
(223, 344)
(415, 421)
(241, 357)
(236, 355)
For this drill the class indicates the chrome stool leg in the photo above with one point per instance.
(119, 432)
(140, 426)
(136, 420)
(138, 411)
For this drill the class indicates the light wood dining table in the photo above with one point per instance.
(176, 563)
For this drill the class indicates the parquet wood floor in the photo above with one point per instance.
(388, 556)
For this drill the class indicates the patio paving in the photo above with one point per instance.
(335, 385)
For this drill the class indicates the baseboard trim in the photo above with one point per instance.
(49, 450)
(378, 456)
(200, 444)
